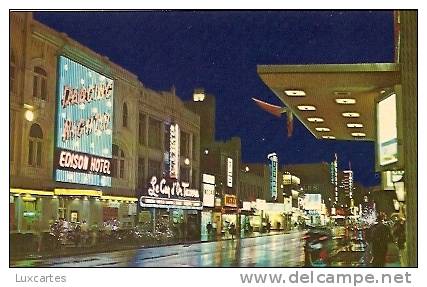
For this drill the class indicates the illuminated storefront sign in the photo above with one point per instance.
(230, 200)
(229, 172)
(273, 174)
(313, 202)
(170, 194)
(208, 187)
(83, 125)
(174, 146)
(387, 130)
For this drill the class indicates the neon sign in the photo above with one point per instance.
(273, 174)
(174, 146)
(83, 125)
(178, 190)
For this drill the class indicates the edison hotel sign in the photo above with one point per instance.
(83, 125)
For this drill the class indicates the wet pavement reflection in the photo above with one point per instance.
(266, 251)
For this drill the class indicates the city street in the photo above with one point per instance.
(276, 250)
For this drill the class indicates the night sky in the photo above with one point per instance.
(220, 50)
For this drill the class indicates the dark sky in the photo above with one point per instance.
(219, 50)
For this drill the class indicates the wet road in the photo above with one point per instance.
(268, 251)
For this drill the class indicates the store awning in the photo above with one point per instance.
(333, 101)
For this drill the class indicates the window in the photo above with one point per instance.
(185, 144)
(154, 136)
(125, 115)
(194, 182)
(185, 174)
(141, 173)
(195, 150)
(141, 129)
(154, 168)
(12, 73)
(35, 146)
(118, 168)
(40, 83)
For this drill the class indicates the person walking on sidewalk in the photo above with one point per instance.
(380, 237)
(400, 237)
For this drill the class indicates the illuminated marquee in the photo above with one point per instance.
(83, 125)
(164, 194)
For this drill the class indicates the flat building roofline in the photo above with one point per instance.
(329, 68)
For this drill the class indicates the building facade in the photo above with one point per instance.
(48, 181)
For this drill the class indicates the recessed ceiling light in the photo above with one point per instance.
(323, 129)
(315, 120)
(295, 93)
(351, 115)
(345, 101)
(354, 125)
(342, 93)
(328, 137)
(306, 108)
(358, 134)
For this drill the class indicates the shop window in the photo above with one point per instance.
(35, 146)
(40, 83)
(185, 174)
(154, 168)
(118, 167)
(12, 73)
(185, 144)
(141, 129)
(154, 133)
(125, 115)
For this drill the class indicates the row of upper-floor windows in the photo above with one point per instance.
(120, 170)
(39, 80)
(39, 90)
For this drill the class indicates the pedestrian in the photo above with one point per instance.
(400, 234)
(232, 230)
(85, 232)
(209, 229)
(77, 235)
(268, 226)
(380, 236)
(39, 234)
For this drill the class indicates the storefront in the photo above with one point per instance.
(207, 218)
(229, 214)
(169, 206)
(35, 210)
(274, 214)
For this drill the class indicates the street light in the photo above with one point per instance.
(187, 161)
(247, 168)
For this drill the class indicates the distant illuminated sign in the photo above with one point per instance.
(230, 200)
(84, 125)
(387, 130)
(208, 187)
(174, 146)
(229, 172)
(273, 174)
(313, 202)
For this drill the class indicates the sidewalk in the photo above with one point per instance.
(119, 246)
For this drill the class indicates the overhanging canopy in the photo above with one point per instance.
(303, 88)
